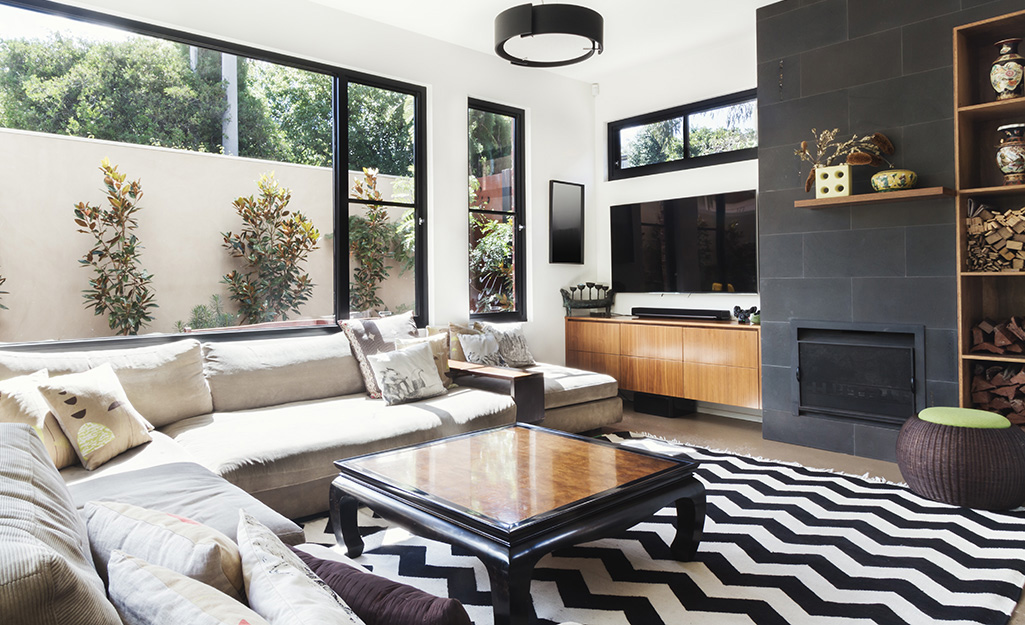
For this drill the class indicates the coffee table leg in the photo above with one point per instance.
(510, 592)
(690, 523)
(343, 520)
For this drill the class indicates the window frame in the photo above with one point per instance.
(518, 213)
(340, 77)
(616, 172)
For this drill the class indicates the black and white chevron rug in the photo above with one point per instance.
(783, 544)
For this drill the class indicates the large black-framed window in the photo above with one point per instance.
(409, 204)
(496, 198)
(710, 132)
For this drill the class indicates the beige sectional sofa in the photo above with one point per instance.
(271, 415)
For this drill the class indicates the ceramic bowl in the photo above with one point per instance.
(894, 180)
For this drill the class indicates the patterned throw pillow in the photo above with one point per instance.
(481, 349)
(21, 402)
(372, 336)
(456, 331)
(407, 374)
(147, 594)
(512, 345)
(439, 349)
(280, 587)
(166, 540)
(94, 412)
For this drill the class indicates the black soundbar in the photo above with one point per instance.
(681, 313)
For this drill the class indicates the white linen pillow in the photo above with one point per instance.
(512, 344)
(439, 351)
(481, 349)
(166, 540)
(408, 374)
(21, 402)
(147, 594)
(95, 414)
(280, 587)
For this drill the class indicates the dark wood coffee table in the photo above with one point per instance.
(514, 493)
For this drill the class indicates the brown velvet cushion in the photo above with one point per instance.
(380, 601)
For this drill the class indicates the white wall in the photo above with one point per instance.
(692, 77)
(560, 127)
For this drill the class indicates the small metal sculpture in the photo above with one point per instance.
(604, 300)
(744, 316)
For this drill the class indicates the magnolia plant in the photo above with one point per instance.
(827, 151)
(119, 286)
(273, 244)
(371, 238)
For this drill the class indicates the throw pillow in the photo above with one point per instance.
(456, 332)
(481, 349)
(372, 336)
(512, 345)
(439, 350)
(280, 587)
(21, 402)
(407, 375)
(94, 413)
(147, 594)
(380, 601)
(166, 540)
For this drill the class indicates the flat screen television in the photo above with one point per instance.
(702, 244)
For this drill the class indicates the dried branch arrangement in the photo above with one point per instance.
(827, 151)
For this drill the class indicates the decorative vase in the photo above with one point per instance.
(833, 181)
(894, 180)
(1011, 153)
(1008, 70)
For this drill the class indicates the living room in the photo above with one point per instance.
(861, 67)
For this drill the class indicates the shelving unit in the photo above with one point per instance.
(907, 195)
(977, 115)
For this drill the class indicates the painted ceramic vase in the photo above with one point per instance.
(1008, 70)
(1011, 153)
(894, 179)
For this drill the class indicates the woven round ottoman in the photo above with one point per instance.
(963, 457)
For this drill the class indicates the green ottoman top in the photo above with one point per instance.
(964, 418)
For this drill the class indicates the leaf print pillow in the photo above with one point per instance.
(95, 414)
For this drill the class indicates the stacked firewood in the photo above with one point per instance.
(999, 338)
(996, 241)
(1000, 388)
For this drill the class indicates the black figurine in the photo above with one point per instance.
(744, 316)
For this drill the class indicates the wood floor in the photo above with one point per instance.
(745, 437)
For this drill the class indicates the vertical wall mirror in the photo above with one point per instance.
(565, 222)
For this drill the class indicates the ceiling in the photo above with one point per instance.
(635, 30)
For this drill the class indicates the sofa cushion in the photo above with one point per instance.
(21, 402)
(380, 601)
(280, 587)
(268, 372)
(457, 330)
(481, 349)
(168, 540)
(373, 336)
(46, 572)
(186, 489)
(566, 386)
(164, 382)
(439, 350)
(406, 375)
(512, 344)
(95, 414)
(266, 456)
(148, 594)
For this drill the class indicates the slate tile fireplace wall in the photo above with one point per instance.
(860, 66)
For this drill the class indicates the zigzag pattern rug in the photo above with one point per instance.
(783, 544)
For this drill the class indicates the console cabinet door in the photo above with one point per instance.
(733, 348)
(651, 375)
(652, 341)
(733, 386)
(592, 336)
(591, 361)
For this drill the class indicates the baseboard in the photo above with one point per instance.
(732, 412)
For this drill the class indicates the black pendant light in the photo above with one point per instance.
(525, 24)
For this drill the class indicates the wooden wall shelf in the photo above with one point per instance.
(877, 198)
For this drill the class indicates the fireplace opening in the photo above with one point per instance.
(862, 372)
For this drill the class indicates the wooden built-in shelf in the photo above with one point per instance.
(906, 195)
(993, 358)
(1009, 189)
(990, 111)
(992, 274)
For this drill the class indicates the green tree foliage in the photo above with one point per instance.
(380, 130)
(491, 264)
(273, 245)
(656, 143)
(207, 316)
(119, 287)
(371, 237)
(490, 142)
(297, 105)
